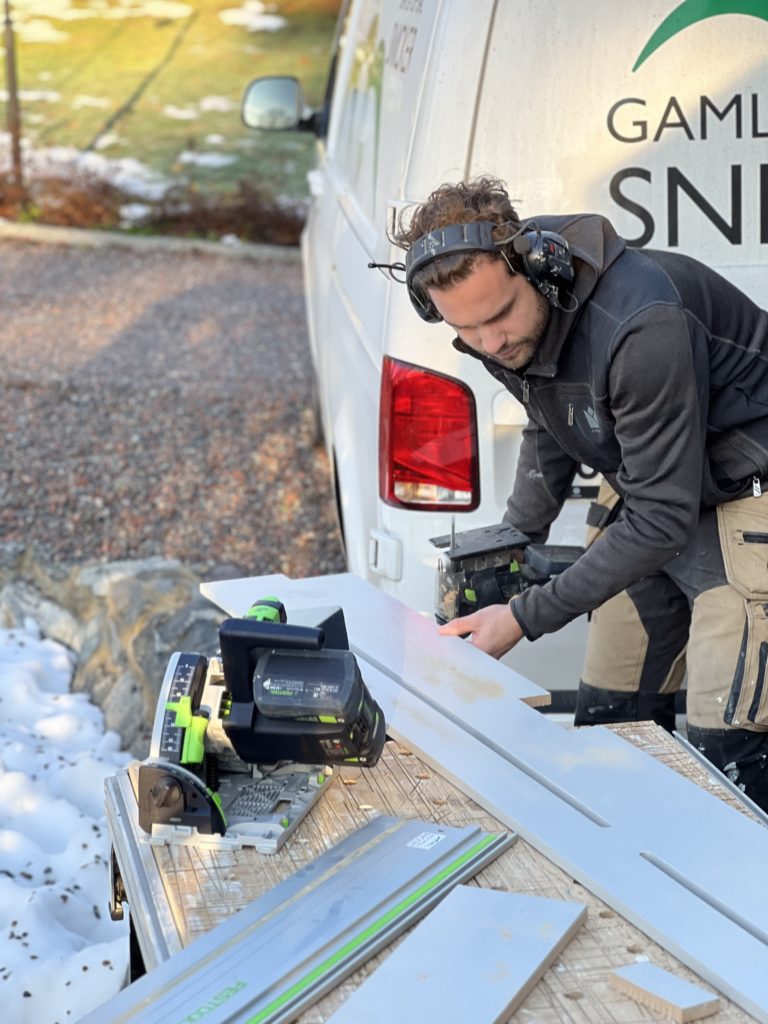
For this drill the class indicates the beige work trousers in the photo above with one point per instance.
(705, 614)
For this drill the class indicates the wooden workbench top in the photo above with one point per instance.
(203, 887)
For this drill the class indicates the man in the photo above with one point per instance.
(652, 369)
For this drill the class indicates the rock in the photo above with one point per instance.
(122, 620)
(21, 600)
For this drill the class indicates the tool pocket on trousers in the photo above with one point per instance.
(743, 528)
(748, 701)
(599, 512)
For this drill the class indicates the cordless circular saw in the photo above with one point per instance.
(490, 565)
(243, 743)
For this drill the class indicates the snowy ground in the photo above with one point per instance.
(32, 24)
(60, 953)
(127, 173)
(168, 119)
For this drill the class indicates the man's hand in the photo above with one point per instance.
(494, 629)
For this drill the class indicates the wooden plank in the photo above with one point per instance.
(474, 958)
(664, 992)
(661, 867)
(657, 742)
(205, 887)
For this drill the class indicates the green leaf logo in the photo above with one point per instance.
(691, 11)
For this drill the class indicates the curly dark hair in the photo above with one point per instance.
(481, 199)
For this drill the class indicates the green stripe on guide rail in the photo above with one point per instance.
(369, 932)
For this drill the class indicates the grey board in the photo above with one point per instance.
(673, 859)
(473, 958)
(402, 638)
(286, 949)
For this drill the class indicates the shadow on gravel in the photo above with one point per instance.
(160, 405)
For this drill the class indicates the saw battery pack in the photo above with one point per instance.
(292, 697)
(310, 686)
(323, 688)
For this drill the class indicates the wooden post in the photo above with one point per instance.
(14, 113)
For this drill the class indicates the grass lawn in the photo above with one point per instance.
(161, 81)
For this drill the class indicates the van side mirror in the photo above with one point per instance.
(276, 104)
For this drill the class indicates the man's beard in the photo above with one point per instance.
(522, 352)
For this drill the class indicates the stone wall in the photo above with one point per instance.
(122, 620)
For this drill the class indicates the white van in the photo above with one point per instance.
(654, 114)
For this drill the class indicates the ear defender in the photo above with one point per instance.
(545, 259)
(544, 255)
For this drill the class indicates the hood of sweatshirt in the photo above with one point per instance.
(594, 246)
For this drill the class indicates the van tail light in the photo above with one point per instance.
(427, 440)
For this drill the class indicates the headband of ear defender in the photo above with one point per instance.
(545, 257)
(475, 236)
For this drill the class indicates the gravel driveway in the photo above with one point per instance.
(157, 403)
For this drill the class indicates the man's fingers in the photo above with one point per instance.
(457, 627)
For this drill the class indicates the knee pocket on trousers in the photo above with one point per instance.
(743, 530)
(727, 661)
(748, 702)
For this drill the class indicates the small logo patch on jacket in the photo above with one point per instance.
(592, 421)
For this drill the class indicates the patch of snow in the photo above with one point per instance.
(127, 174)
(180, 113)
(80, 102)
(37, 30)
(33, 95)
(214, 140)
(253, 16)
(206, 159)
(134, 213)
(61, 954)
(107, 140)
(222, 103)
(61, 10)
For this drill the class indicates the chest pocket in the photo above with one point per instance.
(590, 434)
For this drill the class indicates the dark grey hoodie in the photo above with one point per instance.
(659, 380)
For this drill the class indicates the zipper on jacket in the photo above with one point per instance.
(526, 391)
(757, 488)
(570, 414)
